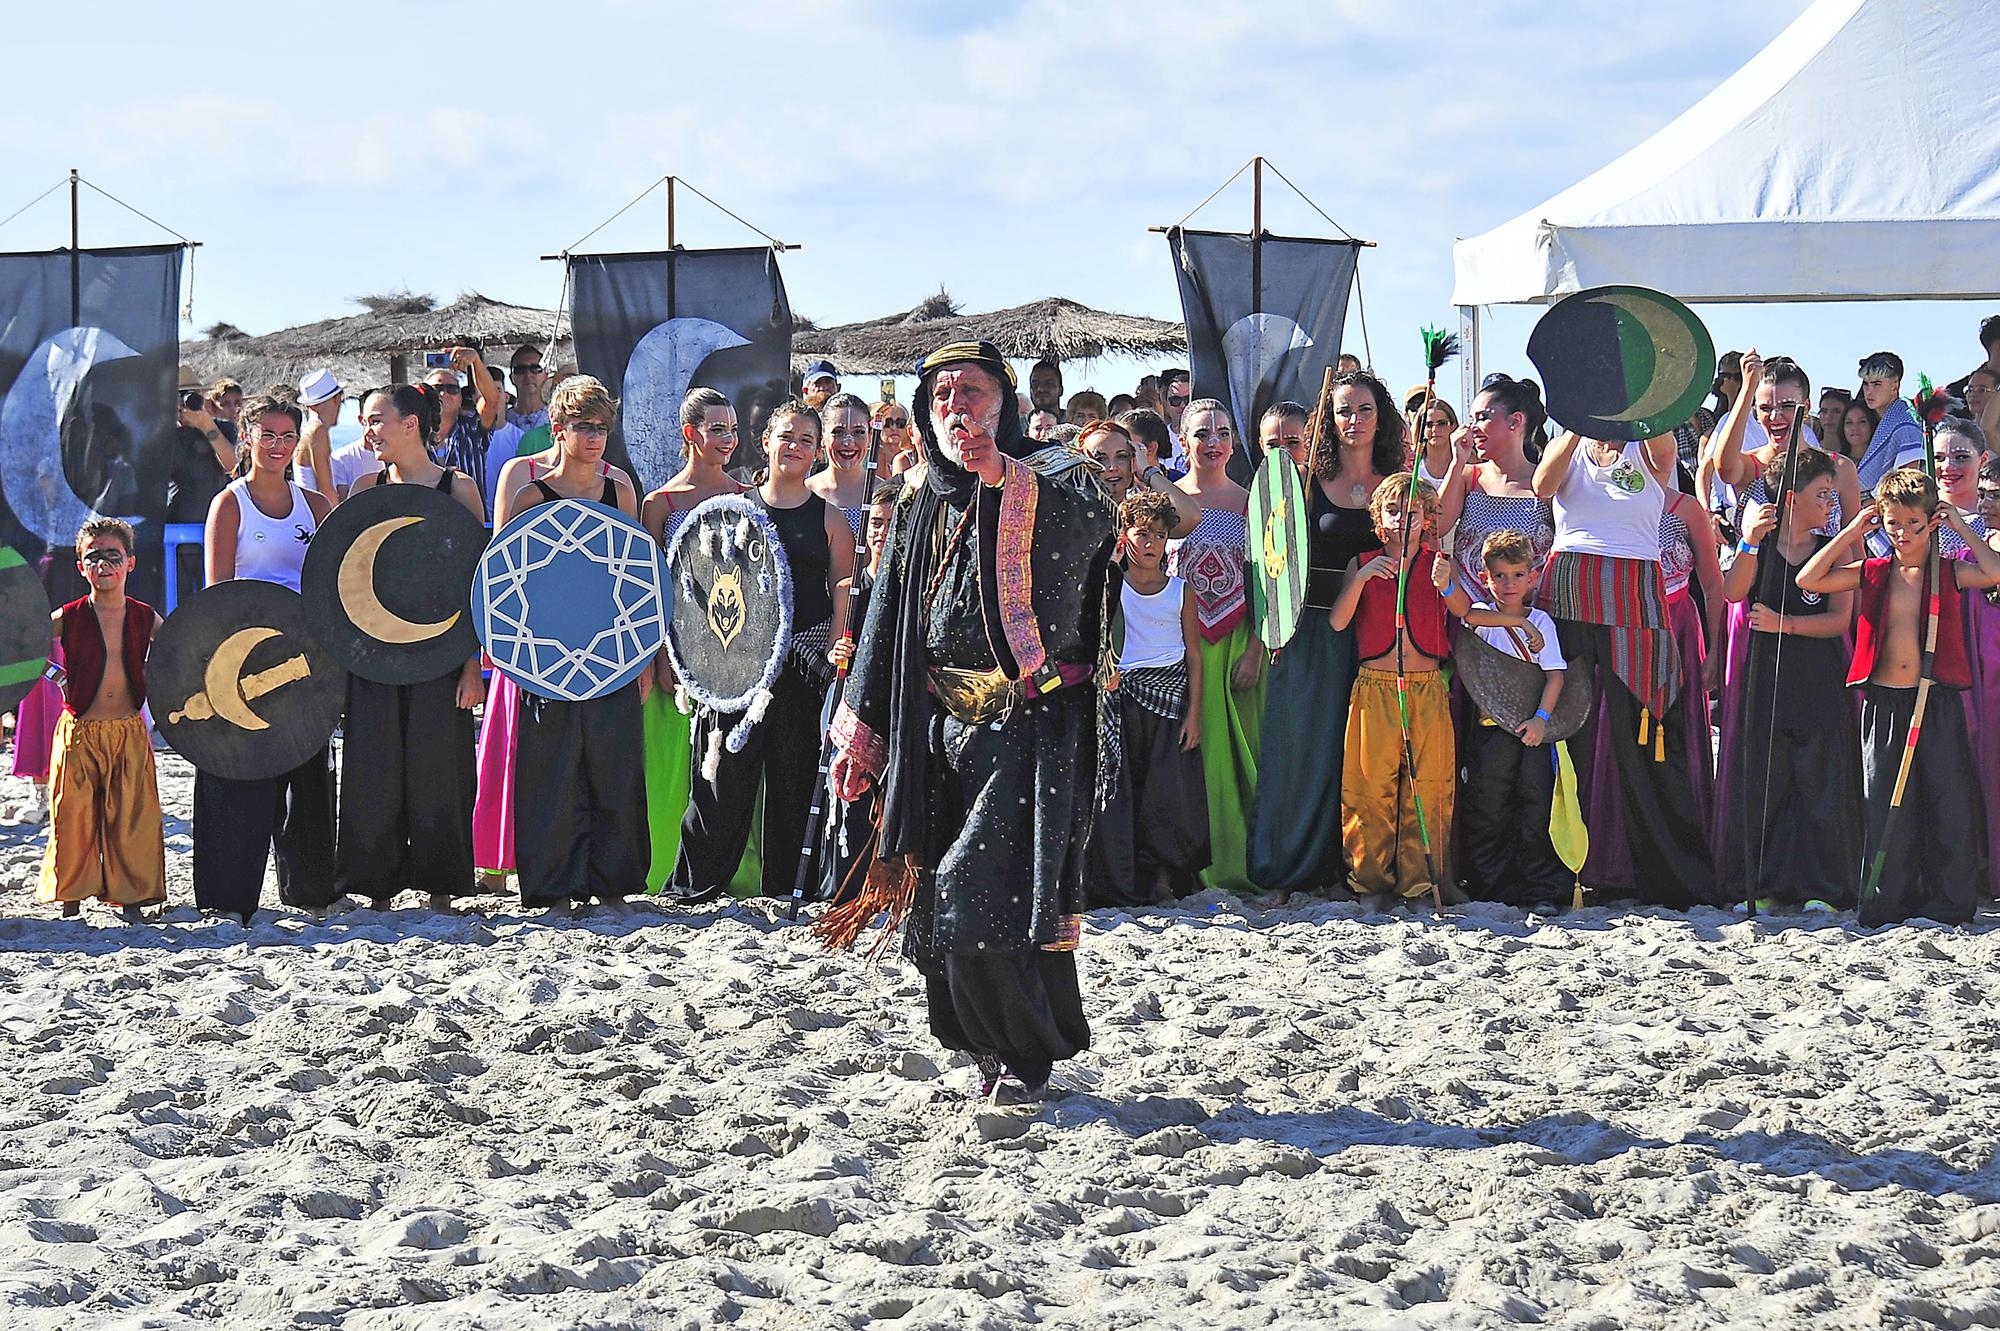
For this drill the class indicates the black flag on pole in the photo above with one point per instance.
(88, 348)
(1250, 347)
(652, 326)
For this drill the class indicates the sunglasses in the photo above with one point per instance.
(522, 371)
(894, 423)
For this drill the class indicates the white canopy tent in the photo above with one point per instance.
(1857, 157)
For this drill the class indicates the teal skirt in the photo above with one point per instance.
(1295, 816)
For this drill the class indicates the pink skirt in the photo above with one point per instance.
(1982, 707)
(35, 727)
(493, 806)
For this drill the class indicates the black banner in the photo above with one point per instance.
(88, 349)
(652, 326)
(1255, 338)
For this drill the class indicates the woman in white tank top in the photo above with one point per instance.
(1607, 593)
(259, 525)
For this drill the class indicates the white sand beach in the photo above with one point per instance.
(1293, 1115)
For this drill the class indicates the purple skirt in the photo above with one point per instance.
(1982, 715)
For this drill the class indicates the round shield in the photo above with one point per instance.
(1279, 553)
(571, 600)
(1509, 689)
(388, 583)
(1622, 362)
(732, 603)
(24, 627)
(238, 684)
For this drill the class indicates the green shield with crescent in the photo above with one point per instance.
(1622, 362)
(1277, 552)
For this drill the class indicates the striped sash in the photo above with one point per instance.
(1630, 597)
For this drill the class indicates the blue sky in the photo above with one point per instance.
(1005, 151)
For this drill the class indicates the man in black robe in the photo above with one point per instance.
(973, 703)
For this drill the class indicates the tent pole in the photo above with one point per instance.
(75, 257)
(671, 311)
(1256, 234)
(1468, 360)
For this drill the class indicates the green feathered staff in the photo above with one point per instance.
(1439, 347)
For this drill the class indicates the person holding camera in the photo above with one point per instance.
(463, 432)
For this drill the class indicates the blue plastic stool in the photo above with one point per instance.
(174, 536)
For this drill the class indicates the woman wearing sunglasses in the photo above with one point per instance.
(898, 449)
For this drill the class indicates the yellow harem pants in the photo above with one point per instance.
(1378, 817)
(105, 835)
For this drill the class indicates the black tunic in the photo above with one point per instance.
(1010, 572)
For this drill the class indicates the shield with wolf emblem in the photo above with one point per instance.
(732, 620)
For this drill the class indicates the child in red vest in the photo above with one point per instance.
(1932, 863)
(1386, 850)
(106, 839)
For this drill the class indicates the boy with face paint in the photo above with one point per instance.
(1931, 865)
(105, 836)
(1389, 854)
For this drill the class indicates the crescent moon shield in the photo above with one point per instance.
(571, 600)
(239, 686)
(31, 420)
(222, 682)
(657, 377)
(24, 627)
(387, 583)
(1256, 346)
(1622, 362)
(1279, 552)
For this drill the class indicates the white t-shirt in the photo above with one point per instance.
(1551, 655)
(350, 464)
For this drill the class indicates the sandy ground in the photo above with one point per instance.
(1294, 1115)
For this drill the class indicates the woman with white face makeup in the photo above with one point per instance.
(783, 746)
(1210, 561)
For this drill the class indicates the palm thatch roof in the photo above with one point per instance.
(360, 348)
(1059, 329)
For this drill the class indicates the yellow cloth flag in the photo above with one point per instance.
(1566, 830)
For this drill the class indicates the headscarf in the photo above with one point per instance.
(905, 791)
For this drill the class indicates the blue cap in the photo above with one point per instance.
(819, 369)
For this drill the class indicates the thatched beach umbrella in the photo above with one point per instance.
(1059, 329)
(375, 346)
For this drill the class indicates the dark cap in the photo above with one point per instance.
(819, 369)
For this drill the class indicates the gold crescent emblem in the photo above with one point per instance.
(1673, 345)
(227, 693)
(725, 608)
(357, 590)
(1275, 555)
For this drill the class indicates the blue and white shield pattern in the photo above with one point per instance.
(571, 600)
